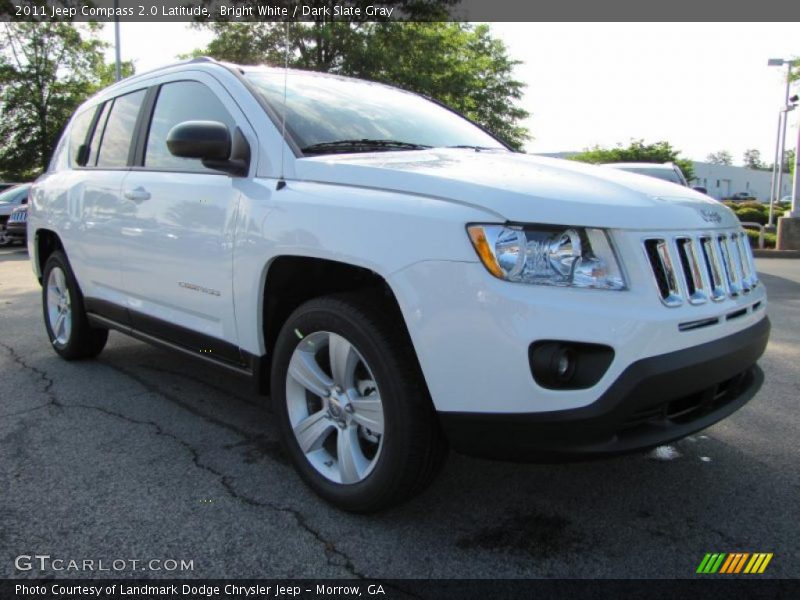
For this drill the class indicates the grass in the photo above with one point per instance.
(759, 213)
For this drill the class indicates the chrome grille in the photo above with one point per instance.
(699, 268)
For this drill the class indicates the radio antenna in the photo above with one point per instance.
(282, 180)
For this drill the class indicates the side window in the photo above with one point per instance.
(77, 136)
(94, 146)
(118, 132)
(178, 102)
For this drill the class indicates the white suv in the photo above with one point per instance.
(395, 278)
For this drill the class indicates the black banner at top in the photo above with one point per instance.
(398, 10)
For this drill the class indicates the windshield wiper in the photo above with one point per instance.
(476, 148)
(360, 145)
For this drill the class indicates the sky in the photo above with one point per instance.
(703, 87)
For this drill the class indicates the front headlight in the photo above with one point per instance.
(548, 255)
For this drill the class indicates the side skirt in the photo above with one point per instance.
(172, 337)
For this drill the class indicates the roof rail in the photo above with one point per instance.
(196, 60)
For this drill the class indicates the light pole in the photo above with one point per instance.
(782, 145)
(118, 66)
(774, 180)
(778, 176)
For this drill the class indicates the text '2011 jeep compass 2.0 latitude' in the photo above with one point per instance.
(394, 277)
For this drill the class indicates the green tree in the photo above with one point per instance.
(789, 161)
(638, 151)
(794, 74)
(46, 70)
(723, 157)
(752, 159)
(458, 64)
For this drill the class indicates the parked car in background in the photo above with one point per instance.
(396, 279)
(667, 171)
(9, 200)
(741, 197)
(17, 225)
(4, 185)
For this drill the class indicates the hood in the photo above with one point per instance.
(526, 188)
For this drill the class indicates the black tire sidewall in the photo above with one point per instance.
(81, 333)
(312, 318)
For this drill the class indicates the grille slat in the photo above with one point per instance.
(658, 253)
(696, 268)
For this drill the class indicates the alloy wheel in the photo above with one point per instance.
(334, 407)
(59, 306)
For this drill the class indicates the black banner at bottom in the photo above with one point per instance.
(396, 589)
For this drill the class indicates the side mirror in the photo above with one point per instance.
(700, 188)
(210, 141)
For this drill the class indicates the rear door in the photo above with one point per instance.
(177, 242)
(83, 200)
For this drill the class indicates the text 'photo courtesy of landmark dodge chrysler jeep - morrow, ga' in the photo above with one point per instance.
(394, 278)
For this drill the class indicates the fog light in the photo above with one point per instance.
(565, 366)
(568, 365)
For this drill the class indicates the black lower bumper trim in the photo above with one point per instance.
(654, 401)
(17, 231)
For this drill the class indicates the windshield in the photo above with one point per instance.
(666, 174)
(10, 196)
(323, 109)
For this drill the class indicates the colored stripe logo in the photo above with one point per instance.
(734, 563)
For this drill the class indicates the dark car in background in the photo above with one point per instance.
(742, 197)
(10, 200)
(17, 225)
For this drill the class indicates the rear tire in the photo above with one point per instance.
(68, 328)
(372, 396)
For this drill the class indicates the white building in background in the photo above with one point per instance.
(723, 181)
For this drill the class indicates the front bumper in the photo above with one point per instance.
(654, 401)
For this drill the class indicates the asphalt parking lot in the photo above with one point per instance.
(143, 454)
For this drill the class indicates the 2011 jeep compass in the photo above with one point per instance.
(393, 276)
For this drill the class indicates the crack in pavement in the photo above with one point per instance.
(159, 391)
(330, 549)
(48, 381)
(24, 411)
(247, 438)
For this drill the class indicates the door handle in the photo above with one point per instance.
(137, 194)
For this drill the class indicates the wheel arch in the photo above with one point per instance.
(46, 242)
(291, 280)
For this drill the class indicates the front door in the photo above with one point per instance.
(177, 240)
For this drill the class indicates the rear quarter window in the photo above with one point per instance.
(78, 135)
(94, 144)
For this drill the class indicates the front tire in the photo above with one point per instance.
(353, 409)
(68, 328)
